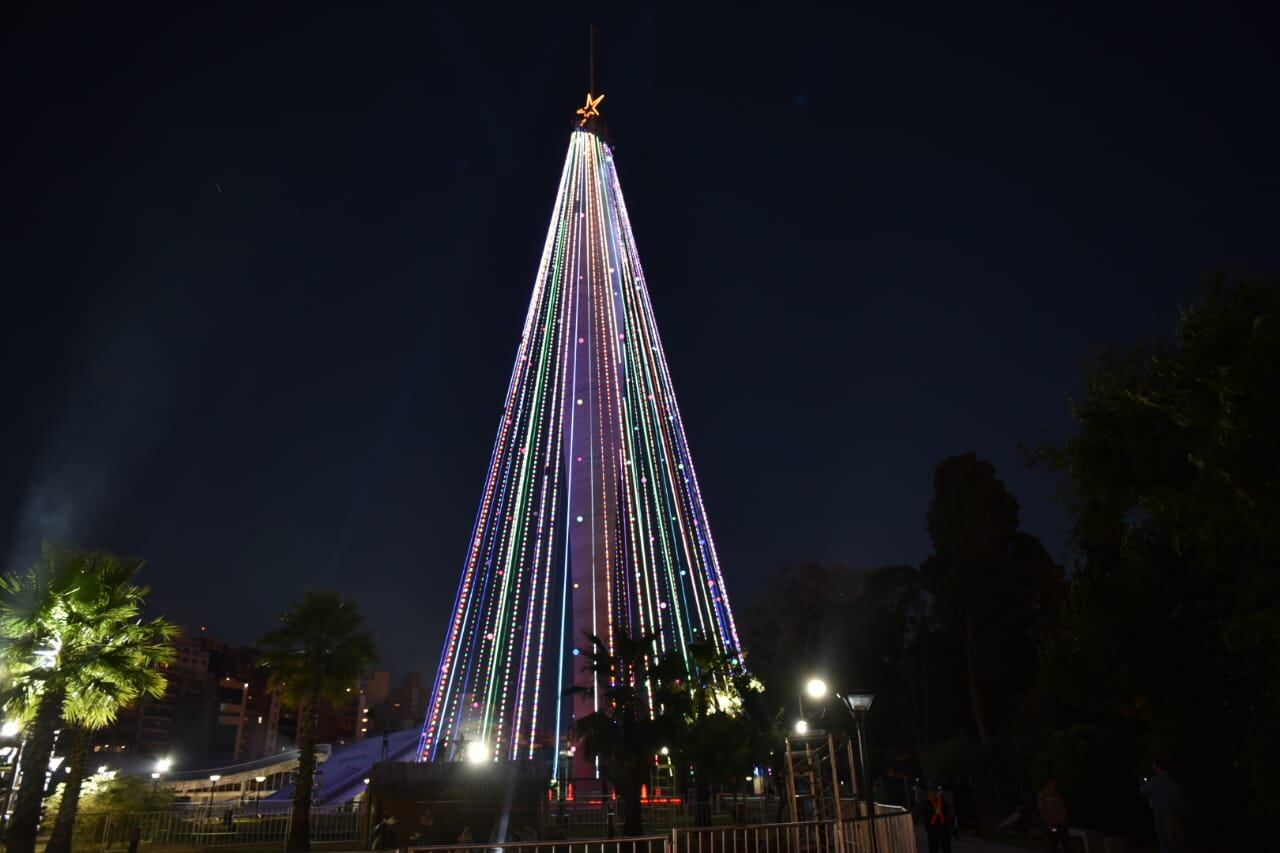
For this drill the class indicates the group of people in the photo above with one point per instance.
(1161, 791)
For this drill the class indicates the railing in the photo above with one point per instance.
(114, 831)
(762, 838)
(891, 830)
(638, 844)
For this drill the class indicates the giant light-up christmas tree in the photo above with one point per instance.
(591, 521)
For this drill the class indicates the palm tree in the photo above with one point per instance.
(98, 693)
(630, 727)
(64, 641)
(320, 651)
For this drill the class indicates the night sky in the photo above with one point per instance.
(265, 266)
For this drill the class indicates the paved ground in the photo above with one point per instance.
(968, 845)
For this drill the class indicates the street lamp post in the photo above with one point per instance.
(213, 783)
(859, 703)
(257, 794)
(162, 767)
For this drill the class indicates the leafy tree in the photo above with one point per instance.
(856, 628)
(950, 649)
(75, 648)
(321, 649)
(1172, 631)
(889, 651)
(719, 733)
(105, 794)
(801, 620)
(993, 585)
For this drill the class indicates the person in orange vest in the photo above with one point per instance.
(938, 818)
(1053, 814)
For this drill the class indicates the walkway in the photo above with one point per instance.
(968, 845)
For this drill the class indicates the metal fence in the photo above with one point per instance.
(182, 828)
(891, 830)
(637, 844)
(763, 838)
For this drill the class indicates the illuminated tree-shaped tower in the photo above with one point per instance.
(591, 521)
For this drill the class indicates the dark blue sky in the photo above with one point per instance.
(264, 269)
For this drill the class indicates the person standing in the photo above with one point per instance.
(1053, 814)
(1164, 794)
(948, 794)
(938, 822)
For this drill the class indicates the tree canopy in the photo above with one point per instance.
(1171, 641)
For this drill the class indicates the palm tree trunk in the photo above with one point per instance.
(21, 836)
(632, 821)
(60, 839)
(701, 798)
(299, 840)
(971, 665)
(922, 733)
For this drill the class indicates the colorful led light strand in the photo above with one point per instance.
(591, 519)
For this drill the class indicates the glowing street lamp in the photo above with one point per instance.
(10, 731)
(213, 783)
(816, 689)
(257, 794)
(859, 702)
(802, 727)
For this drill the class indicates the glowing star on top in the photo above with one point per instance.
(589, 109)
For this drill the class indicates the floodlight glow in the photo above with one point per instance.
(10, 728)
(816, 688)
(802, 728)
(477, 751)
(163, 765)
